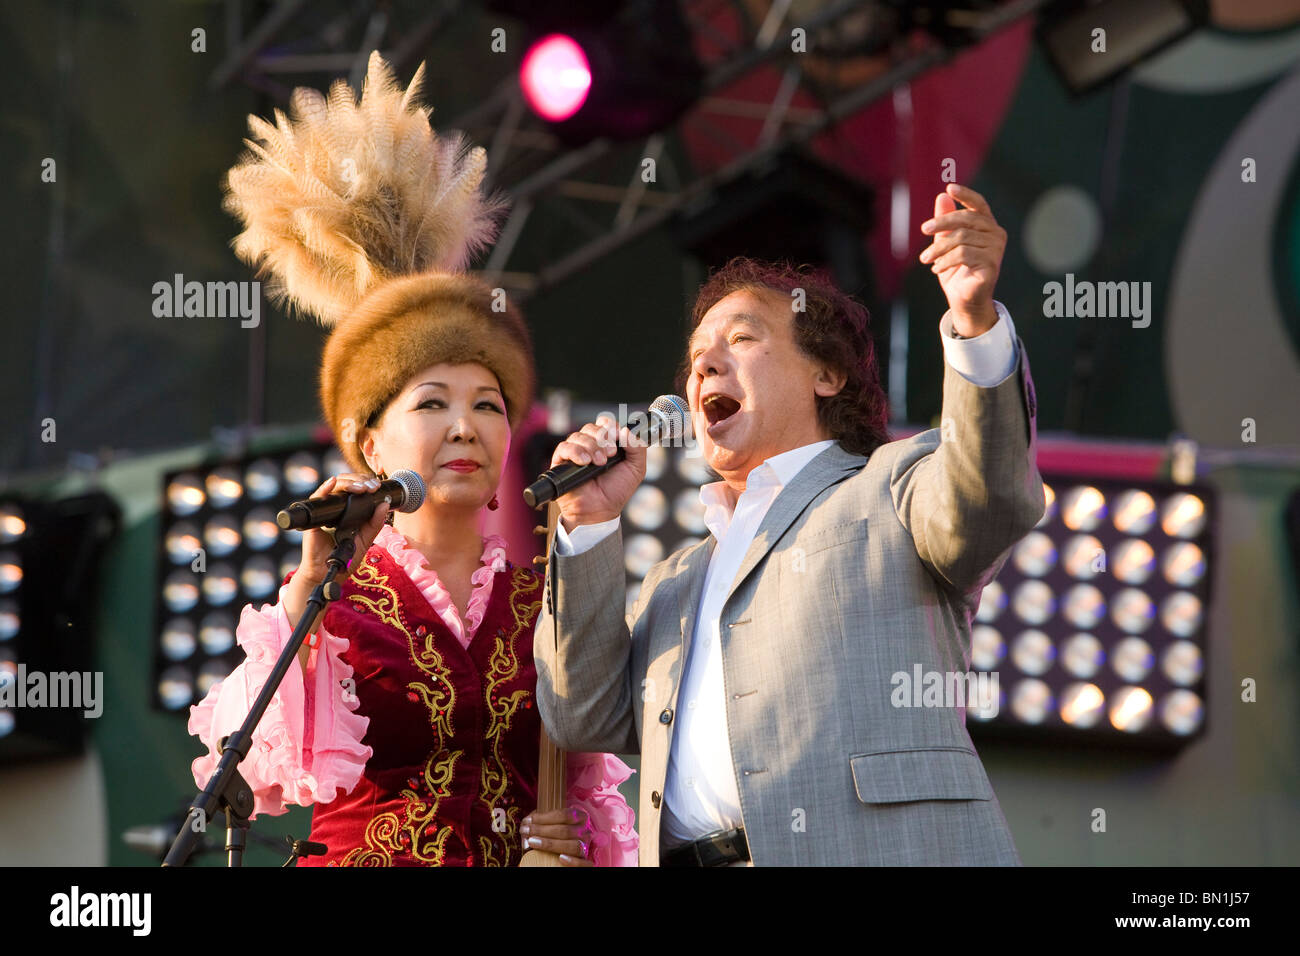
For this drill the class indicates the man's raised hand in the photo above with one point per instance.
(966, 255)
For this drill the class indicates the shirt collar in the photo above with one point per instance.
(776, 472)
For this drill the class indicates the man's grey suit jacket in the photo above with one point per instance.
(862, 568)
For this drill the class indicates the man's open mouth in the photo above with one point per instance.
(719, 407)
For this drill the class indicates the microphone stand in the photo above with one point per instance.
(227, 791)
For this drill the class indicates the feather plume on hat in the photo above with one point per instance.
(347, 194)
(365, 219)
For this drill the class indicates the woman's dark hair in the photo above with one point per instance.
(832, 328)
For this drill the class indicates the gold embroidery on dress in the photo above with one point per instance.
(503, 667)
(383, 836)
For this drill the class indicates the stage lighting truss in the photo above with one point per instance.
(1096, 624)
(595, 193)
(50, 551)
(13, 528)
(665, 513)
(221, 550)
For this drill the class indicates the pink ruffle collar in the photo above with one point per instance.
(412, 562)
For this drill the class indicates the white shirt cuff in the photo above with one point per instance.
(584, 537)
(987, 359)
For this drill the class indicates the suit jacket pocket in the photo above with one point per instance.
(844, 533)
(901, 776)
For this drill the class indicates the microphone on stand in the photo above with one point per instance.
(668, 420)
(351, 509)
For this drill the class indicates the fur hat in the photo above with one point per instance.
(365, 219)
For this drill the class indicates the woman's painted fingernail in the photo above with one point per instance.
(534, 842)
(568, 859)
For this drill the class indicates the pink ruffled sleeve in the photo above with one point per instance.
(308, 744)
(593, 786)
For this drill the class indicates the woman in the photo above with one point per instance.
(410, 720)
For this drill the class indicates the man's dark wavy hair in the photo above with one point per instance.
(833, 328)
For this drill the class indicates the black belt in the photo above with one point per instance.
(713, 849)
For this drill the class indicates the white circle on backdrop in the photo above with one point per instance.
(1062, 230)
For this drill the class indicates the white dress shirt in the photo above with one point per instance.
(700, 792)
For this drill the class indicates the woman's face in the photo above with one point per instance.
(447, 414)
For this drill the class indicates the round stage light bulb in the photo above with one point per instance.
(993, 601)
(1083, 508)
(1132, 561)
(1132, 611)
(11, 572)
(219, 586)
(1132, 659)
(1082, 705)
(1181, 712)
(1049, 510)
(334, 463)
(258, 578)
(209, 674)
(1130, 709)
(1082, 655)
(224, 486)
(641, 552)
(10, 620)
(221, 535)
(688, 511)
(260, 529)
(656, 460)
(1035, 555)
(1183, 515)
(647, 508)
(555, 77)
(1033, 652)
(1083, 557)
(1034, 602)
(6, 722)
(693, 468)
(1031, 701)
(181, 591)
(176, 687)
(182, 542)
(1180, 613)
(185, 494)
(12, 525)
(986, 648)
(1135, 512)
(1183, 564)
(262, 479)
(1084, 606)
(302, 473)
(1182, 663)
(178, 641)
(217, 633)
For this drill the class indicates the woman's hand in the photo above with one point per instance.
(317, 545)
(567, 832)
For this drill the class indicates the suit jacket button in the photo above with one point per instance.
(655, 798)
(667, 716)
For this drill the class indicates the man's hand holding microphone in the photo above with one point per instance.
(604, 496)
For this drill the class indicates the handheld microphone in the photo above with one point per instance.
(669, 419)
(351, 509)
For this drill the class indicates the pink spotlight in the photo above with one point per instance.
(555, 77)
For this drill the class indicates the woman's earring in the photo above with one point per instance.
(493, 505)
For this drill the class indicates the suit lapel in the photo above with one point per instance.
(832, 465)
(689, 582)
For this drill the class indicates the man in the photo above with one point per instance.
(754, 673)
